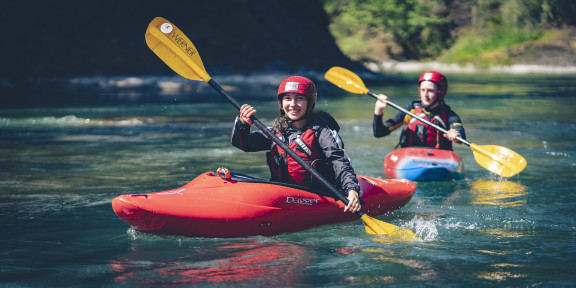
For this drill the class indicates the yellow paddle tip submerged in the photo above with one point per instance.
(388, 233)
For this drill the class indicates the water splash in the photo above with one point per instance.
(425, 229)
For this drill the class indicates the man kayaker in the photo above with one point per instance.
(312, 135)
(432, 87)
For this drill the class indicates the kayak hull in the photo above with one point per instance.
(210, 206)
(423, 164)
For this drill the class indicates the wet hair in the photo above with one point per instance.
(281, 125)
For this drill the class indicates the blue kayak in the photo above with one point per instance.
(423, 164)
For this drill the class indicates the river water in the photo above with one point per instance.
(61, 166)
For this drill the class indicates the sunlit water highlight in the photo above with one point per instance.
(61, 167)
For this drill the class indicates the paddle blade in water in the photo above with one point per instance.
(175, 49)
(346, 79)
(498, 159)
(387, 231)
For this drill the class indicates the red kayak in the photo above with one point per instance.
(238, 205)
(423, 164)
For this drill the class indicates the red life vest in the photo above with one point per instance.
(284, 168)
(418, 133)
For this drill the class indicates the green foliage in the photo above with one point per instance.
(479, 31)
(489, 48)
(416, 26)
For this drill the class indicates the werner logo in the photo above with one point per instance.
(304, 201)
(184, 45)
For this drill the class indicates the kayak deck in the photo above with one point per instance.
(212, 206)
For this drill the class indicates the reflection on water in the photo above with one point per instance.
(501, 233)
(422, 270)
(61, 166)
(271, 264)
(499, 193)
(499, 275)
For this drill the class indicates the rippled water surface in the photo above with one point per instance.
(60, 167)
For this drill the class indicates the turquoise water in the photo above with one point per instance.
(60, 167)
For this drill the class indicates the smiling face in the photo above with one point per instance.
(294, 106)
(428, 94)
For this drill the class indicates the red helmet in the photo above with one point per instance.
(300, 85)
(437, 78)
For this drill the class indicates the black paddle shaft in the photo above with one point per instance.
(283, 145)
(419, 118)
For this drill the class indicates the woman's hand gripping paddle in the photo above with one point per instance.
(497, 159)
(178, 52)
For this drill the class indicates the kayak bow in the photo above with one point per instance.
(423, 164)
(240, 206)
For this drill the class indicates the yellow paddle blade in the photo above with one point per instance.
(387, 231)
(175, 49)
(346, 79)
(498, 159)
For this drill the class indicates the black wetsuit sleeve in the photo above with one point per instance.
(248, 141)
(454, 122)
(384, 128)
(333, 149)
(378, 127)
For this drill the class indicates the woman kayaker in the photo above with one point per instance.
(312, 135)
(432, 87)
